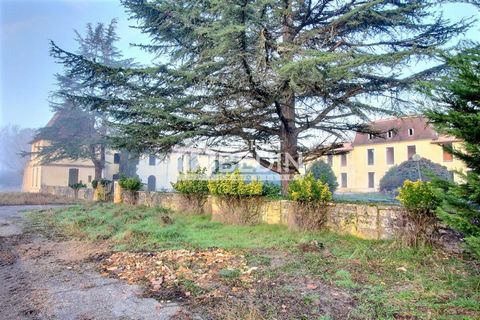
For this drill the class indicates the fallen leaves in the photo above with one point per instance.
(215, 272)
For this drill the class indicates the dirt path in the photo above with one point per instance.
(46, 279)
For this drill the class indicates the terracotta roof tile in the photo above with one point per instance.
(402, 129)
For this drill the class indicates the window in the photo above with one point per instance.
(180, 164)
(330, 160)
(411, 150)
(116, 176)
(370, 136)
(33, 177)
(72, 176)
(152, 160)
(343, 159)
(370, 157)
(410, 132)
(193, 162)
(152, 183)
(452, 175)
(116, 158)
(343, 178)
(447, 156)
(371, 179)
(216, 166)
(390, 134)
(89, 178)
(390, 155)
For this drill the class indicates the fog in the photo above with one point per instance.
(14, 143)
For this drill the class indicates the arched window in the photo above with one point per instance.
(152, 183)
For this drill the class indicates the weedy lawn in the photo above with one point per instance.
(274, 273)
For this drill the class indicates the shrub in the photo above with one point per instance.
(233, 185)
(408, 170)
(76, 187)
(311, 198)
(192, 182)
(309, 189)
(102, 189)
(102, 182)
(193, 185)
(130, 184)
(420, 200)
(241, 202)
(271, 190)
(323, 172)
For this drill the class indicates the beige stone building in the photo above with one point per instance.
(156, 173)
(57, 174)
(62, 173)
(360, 164)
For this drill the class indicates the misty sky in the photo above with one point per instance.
(27, 69)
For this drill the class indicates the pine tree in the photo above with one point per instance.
(457, 113)
(79, 130)
(279, 79)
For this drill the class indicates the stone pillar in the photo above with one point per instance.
(117, 193)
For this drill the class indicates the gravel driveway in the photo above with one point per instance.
(48, 279)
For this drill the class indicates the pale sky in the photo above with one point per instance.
(27, 70)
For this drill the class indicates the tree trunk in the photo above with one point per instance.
(99, 163)
(288, 134)
(98, 171)
(288, 141)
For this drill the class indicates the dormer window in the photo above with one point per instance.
(390, 134)
(410, 132)
(370, 136)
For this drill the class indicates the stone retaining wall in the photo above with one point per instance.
(365, 221)
(83, 194)
(374, 221)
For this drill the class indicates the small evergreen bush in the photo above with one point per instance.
(241, 201)
(311, 198)
(408, 170)
(309, 189)
(323, 172)
(233, 185)
(130, 184)
(76, 187)
(193, 185)
(271, 190)
(420, 200)
(192, 182)
(102, 182)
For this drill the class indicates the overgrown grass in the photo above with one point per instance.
(386, 281)
(27, 198)
(142, 228)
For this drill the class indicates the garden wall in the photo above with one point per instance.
(374, 221)
(365, 221)
(83, 194)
